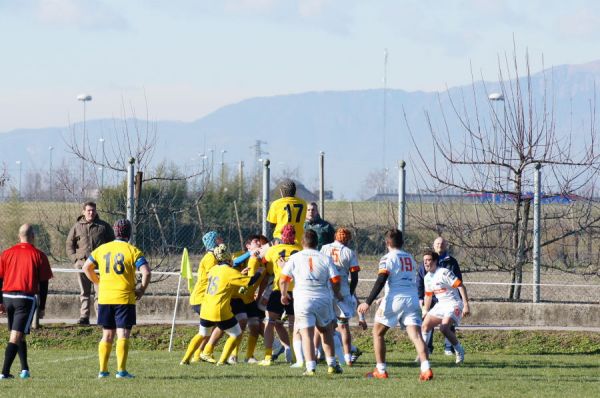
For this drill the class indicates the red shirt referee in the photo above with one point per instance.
(24, 272)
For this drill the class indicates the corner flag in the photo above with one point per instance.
(186, 270)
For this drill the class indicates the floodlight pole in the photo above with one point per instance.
(265, 196)
(402, 196)
(130, 195)
(537, 209)
(322, 184)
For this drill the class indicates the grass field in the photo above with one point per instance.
(63, 363)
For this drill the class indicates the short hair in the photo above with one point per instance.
(263, 239)
(343, 235)
(287, 188)
(310, 239)
(122, 229)
(89, 203)
(250, 238)
(430, 252)
(393, 237)
(26, 231)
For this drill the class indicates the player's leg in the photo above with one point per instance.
(192, 349)
(234, 331)
(448, 331)
(414, 333)
(273, 320)
(253, 333)
(308, 348)
(344, 330)
(429, 323)
(379, 331)
(125, 319)
(205, 331)
(329, 347)
(242, 319)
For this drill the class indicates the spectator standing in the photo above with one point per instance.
(85, 236)
(325, 231)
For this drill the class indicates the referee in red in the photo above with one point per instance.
(24, 272)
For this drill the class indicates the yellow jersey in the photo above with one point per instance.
(117, 262)
(253, 264)
(223, 281)
(207, 262)
(288, 210)
(273, 254)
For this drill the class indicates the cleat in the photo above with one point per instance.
(332, 370)
(194, 360)
(103, 375)
(309, 373)
(376, 374)
(8, 376)
(448, 353)
(222, 364)
(297, 365)
(208, 358)
(460, 356)
(123, 374)
(24, 374)
(265, 362)
(184, 363)
(288, 355)
(251, 361)
(426, 375)
(355, 355)
(232, 360)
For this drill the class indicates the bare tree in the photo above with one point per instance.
(486, 149)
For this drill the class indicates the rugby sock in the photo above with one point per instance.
(228, 348)
(311, 365)
(298, 351)
(426, 338)
(235, 351)
(122, 351)
(192, 347)
(381, 367)
(251, 347)
(347, 358)
(268, 354)
(424, 366)
(208, 349)
(9, 356)
(331, 361)
(104, 349)
(23, 355)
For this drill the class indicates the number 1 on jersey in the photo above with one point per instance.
(289, 211)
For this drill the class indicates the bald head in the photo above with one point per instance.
(26, 234)
(440, 245)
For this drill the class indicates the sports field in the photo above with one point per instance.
(63, 363)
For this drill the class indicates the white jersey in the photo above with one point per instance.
(401, 269)
(345, 261)
(443, 284)
(311, 272)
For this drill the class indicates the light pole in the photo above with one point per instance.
(223, 152)
(51, 149)
(498, 98)
(18, 162)
(212, 165)
(102, 168)
(83, 98)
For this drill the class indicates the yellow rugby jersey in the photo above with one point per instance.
(223, 281)
(273, 254)
(207, 262)
(288, 210)
(253, 264)
(117, 262)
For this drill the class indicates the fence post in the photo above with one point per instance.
(265, 195)
(402, 196)
(241, 181)
(322, 184)
(130, 196)
(536, 232)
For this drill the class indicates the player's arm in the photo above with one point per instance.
(336, 286)
(88, 270)
(428, 298)
(146, 277)
(463, 293)
(382, 277)
(284, 282)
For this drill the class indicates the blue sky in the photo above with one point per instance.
(186, 58)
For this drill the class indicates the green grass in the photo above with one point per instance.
(63, 361)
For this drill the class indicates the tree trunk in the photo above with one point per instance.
(515, 236)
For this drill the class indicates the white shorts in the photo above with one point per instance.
(345, 308)
(450, 309)
(313, 312)
(403, 310)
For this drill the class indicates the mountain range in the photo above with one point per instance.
(347, 125)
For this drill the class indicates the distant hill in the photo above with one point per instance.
(347, 125)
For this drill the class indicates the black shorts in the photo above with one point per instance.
(113, 316)
(238, 306)
(196, 308)
(19, 309)
(253, 311)
(274, 304)
(223, 325)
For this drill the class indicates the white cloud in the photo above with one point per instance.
(88, 15)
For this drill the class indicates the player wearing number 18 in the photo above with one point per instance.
(117, 262)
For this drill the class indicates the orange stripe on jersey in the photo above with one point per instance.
(285, 278)
(429, 294)
(456, 283)
(440, 291)
(310, 264)
(336, 279)
(355, 269)
(383, 271)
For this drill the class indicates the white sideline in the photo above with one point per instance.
(71, 270)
